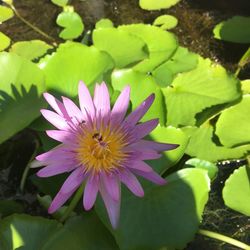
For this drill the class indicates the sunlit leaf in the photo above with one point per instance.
(245, 86)
(72, 23)
(30, 49)
(232, 126)
(21, 85)
(157, 4)
(236, 192)
(236, 29)
(60, 2)
(5, 13)
(4, 41)
(166, 22)
(104, 23)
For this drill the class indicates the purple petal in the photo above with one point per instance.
(61, 136)
(68, 188)
(121, 105)
(101, 99)
(139, 165)
(140, 111)
(110, 181)
(85, 99)
(152, 176)
(90, 192)
(145, 128)
(145, 155)
(132, 183)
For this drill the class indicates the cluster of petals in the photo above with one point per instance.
(77, 127)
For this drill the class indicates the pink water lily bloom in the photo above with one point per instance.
(101, 147)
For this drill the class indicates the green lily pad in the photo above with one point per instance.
(182, 61)
(72, 23)
(210, 167)
(157, 5)
(5, 13)
(82, 233)
(235, 29)
(30, 49)
(166, 217)
(137, 82)
(191, 92)
(4, 41)
(232, 126)
(236, 192)
(71, 63)
(104, 23)
(112, 41)
(8, 207)
(202, 146)
(61, 3)
(166, 22)
(169, 158)
(26, 232)
(21, 84)
(245, 86)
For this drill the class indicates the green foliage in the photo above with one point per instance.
(4, 41)
(236, 192)
(5, 13)
(156, 5)
(104, 23)
(8, 207)
(245, 86)
(236, 29)
(166, 22)
(61, 3)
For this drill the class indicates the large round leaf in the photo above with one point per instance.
(191, 92)
(233, 125)
(168, 216)
(4, 41)
(236, 192)
(157, 4)
(82, 233)
(21, 84)
(138, 82)
(26, 232)
(71, 63)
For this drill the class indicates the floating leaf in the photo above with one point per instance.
(245, 86)
(210, 167)
(61, 3)
(235, 29)
(30, 49)
(72, 23)
(236, 192)
(201, 145)
(8, 207)
(157, 4)
(82, 233)
(104, 23)
(167, 216)
(137, 82)
(191, 92)
(5, 13)
(26, 232)
(182, 61)
(166, 22)
(112, 40)
(232, 126)
(21, 85)
(71, 63)
(4, 41)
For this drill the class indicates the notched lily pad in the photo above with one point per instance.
(166, 22)
(157, 4)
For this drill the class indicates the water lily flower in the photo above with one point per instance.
(101, 147)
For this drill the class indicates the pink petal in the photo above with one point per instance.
(152, 176)
(102, 99)
(121, 105)
(68, 188)
(90, 192)
(85, 99)
(110, 181)
(132, 183)
(140, 111)
(139, 165)
(145, 128)
(61, 136)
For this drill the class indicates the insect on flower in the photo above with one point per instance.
(101, 147)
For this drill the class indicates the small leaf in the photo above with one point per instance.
(157, 4)
(245, 86)
(4, 41)
(5, 13)
(236, 192)
(61, 3)
(104, 23)
(30, 49)
(72, 23)
(166, 22)
(236, 29)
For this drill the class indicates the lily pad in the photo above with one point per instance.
(16, 231)
(166, 217)
(21, 84)
(193, 91)
(72, 23)
(232, 126)
(157, 5)
(4, 41)
(235, 29)
(71, 63)
(166, 22)
(5, 13)
(61, 3)
(30, 49)
(236, 192)
(104, 23)
(245, 86)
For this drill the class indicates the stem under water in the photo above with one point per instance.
(224, 238)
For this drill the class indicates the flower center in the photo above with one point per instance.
(101, 150)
